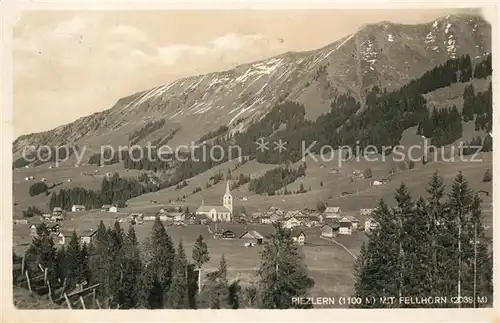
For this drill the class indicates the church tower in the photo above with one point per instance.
(228, 199)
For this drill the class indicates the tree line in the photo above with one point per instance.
(275, 179)
(156, 274)
(431, 246)
(114, 190)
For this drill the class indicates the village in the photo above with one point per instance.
(221, 221)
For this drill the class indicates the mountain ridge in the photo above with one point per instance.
(382, 54)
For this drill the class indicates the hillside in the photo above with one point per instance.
(385, 54)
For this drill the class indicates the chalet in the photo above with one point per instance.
(334, 171)
(87, 236)
(376, 183)
(178, 216)
(252, 237)
(333, 212)
(149, 217)
(56, 218)
(275, 218)
(26, 178)
(43, 179)
(358, 174)
(33, 231)
(77, 208)
(295, 213)
(226, 234)
(345, 227)
(330, 230)
(256, 215)
(299, 237)
(113, 209)
(370, 224)
(365, 212)
(292, 223)
(21, 221)
(353, 220)
(314, 220)
(265, 219)
(57, 210)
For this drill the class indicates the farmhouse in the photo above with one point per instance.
(291, 223)
(370, 224)
(353, 220)
(57, 210)
(225, 234)
(330, 230)
(252, 237)
(376, 183)
(265, 219)
(345, 227)
(77, 208)
(220, 213)
(55, 228)
(314, 220)
(333, 212)
(87, 236)
(299, 237)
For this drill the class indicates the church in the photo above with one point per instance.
(219, 213)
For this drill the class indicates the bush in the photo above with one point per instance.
(368, 173)
(38, 188)
(487, 176)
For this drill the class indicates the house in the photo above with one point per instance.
(26, 178)
(332, 212)
(299, 237)
(370, 224)
(33, 231)
(43, 179)
(275, 217)
(57, 210)
(149, 217)
(252, 237)
(376, 183)
(354, 221)
(219, 213)
(292, 223)
(21, 221)
(345, 227)
(330, 230)
(113, 209)
(366, 212)
(314, 220)
(265, 219)
(334, 171)
(77, 208)
(87, 236)
(226, 234)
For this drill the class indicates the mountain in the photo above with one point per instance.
(385, 54)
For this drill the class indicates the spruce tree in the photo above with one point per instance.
(282, 273)
(215, 294)
(178, 293)
(487, 177)
(200, 256)
(77, 269)
(378, 274)
(460, 201)
(487, 143)
(42, 252)
(132, 268)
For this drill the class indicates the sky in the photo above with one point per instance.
(72, 64)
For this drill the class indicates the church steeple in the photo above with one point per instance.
(228, 199)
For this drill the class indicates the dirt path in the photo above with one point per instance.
(338, 243)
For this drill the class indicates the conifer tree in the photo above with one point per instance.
(132, 268)
(487, 177)
(200, 256)
(460, 201)
(75, 262)
(178, 293)
(487, 143)
(42, 252)
(379, 272)
(215, 292)
(282, 273)
(158, 273)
